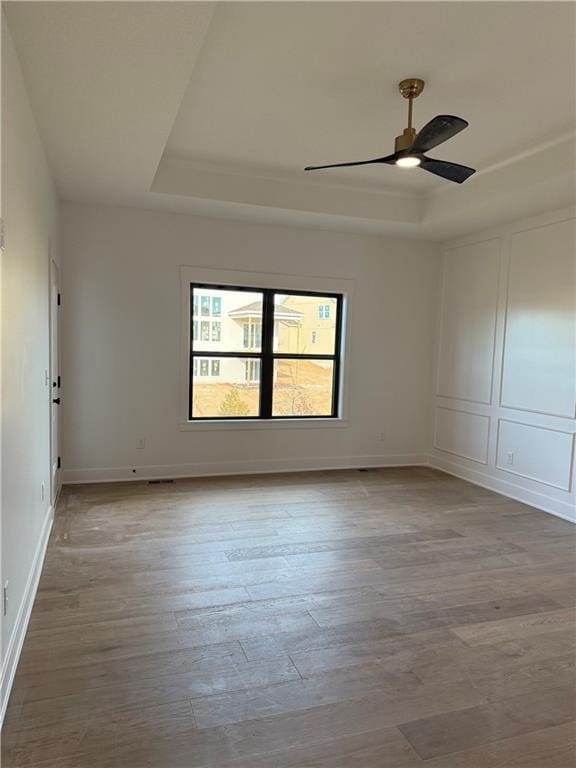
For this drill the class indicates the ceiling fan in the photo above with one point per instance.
(410, 146)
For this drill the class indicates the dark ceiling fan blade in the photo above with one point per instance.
(388, 159)
(438, 130)
(450, 171)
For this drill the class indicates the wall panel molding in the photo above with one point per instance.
(538, 373)
(537, 265)
(551, 452)
(462, 434)
(469, 300)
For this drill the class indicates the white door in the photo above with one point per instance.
(54, 380)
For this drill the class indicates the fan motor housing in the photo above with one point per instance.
(405, 140)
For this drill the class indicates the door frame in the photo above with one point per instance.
(54, 381)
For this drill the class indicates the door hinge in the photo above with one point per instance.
(59, 299)
(59, 381)
(59, 462)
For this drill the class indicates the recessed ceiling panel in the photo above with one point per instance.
(282, 85)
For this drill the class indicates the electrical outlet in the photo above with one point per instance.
(42, 491)
(510, 458)
(140, 444)
(5, 598)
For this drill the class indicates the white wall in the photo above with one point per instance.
(121, 342)
(505, 397)
(29, 210)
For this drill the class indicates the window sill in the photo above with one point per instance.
(218, 425)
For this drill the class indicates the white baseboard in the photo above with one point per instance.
(553, 506)
(248, 467)
(14, 647)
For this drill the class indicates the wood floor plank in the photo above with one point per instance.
(553, 747)
(208, 679)
(520, 626)
(383, 619)
(459, 730)
(50, 683)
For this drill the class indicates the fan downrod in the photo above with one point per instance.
(410, 88)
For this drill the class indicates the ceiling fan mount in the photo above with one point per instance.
(411, 145)
(411, 87)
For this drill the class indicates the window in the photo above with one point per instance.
(252, 370)
(195, 328)
(252, 335)
(260, 352)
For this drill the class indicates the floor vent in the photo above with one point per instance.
(157, 482)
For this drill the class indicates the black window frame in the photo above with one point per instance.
(267, 356)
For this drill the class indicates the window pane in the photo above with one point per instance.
(303, 387)
(238, 326)
(304, 325)
(226, 389)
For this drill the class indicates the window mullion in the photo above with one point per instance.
(267, 367)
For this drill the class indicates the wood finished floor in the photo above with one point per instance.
(393, 618)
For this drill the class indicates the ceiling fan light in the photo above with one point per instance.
(408, 162)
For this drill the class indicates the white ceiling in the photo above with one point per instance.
(216, 108)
